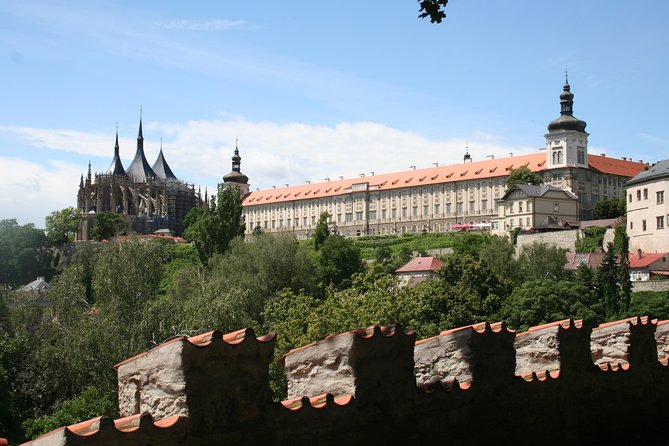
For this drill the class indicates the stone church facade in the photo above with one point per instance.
(150, 198)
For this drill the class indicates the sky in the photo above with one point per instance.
(314, 90)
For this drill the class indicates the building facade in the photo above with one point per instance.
(526, 206)
(647, 209)
(150, 198)
(436, 198)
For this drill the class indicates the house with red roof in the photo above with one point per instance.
(418, 270)
(646, 265)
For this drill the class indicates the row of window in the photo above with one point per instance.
(659, 196)
(659, 223)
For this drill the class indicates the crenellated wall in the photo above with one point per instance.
(558, 383)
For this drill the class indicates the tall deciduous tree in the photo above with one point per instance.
(62, 225)
(522, 175)
(540, 261)
(24, 253)
(107, 225)
(322, 231)
(338, 260)
(221, 222)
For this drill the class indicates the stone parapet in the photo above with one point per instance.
(477, 385)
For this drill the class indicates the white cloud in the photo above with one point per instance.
(30, 191)
(200, 151)
(199, 25)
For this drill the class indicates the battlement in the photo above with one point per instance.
(555, 383)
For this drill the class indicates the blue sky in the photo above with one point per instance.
(314, 89)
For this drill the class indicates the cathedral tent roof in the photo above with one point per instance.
(140, 169)
(162, 169)
(116, 167)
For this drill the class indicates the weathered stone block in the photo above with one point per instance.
(211, 378)
(480, 353)
(662, 340)
(562, 346)
(628, 342)
(370, 363)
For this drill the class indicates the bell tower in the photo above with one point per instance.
(566, 140)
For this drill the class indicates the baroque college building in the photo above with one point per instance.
(149, 197)
(436, 198)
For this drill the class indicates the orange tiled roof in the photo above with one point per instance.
(646, 258)
(500, 167)
(420, 264)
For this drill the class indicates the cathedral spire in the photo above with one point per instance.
(140, 169)
(116, 167)
(140, 136)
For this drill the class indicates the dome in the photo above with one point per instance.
(235, 177)
(567, 122)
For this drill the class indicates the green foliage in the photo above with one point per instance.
(322, 231)
(541, 261)
(192, 216)
(24, 254)
(541, 301)
(522, 175)
(434, 9)
(592, 240)
(469, 243)
(652, 303)
(338, 260)
(423, 242)
(61, 226)
(607, 283)
(89, 404)
(612, 208)
(223, 220)
(498, 253)
(108, 225)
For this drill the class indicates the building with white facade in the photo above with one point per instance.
(647, 209)
(438, 197)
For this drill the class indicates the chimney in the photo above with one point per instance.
(412, 167)
(602, 154)
(624, 158)
(641, 161)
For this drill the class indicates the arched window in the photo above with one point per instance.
(414, 229)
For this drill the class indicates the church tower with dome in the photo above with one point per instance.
(567, 140)
(236, 177)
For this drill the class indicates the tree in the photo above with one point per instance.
(62, 225)
(89, 404)
(107, 225)
(540, 261)
(541, 301)
(221, 222)
(499, 254)
(607, 283)
(522, 175)
(624, 279)
(434, 9)
(612, 208)
(338, 260)
(24, 253)
(322, 231)
(192, 216)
